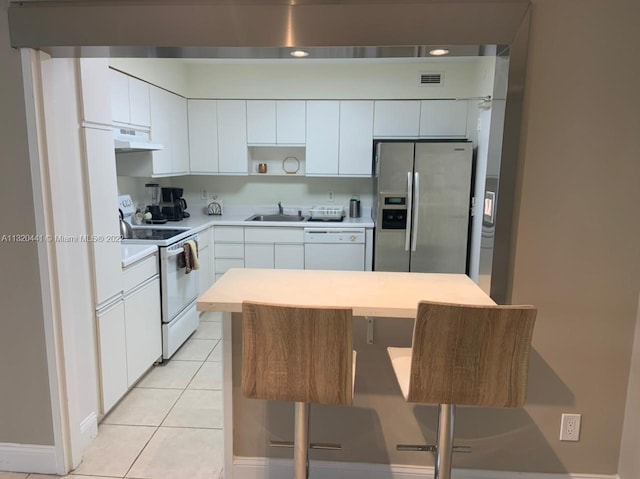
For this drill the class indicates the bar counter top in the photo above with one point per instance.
(368, 293)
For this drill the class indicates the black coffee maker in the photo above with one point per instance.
(173, 204)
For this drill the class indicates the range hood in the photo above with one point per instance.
(127, 140)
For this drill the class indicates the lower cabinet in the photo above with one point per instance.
(113, 353)
(142, 329)
(206, 261)
(279, 248)
(129, 332)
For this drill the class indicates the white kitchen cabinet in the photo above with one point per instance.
(276, 122)
(274, 247)
(112, 351)
(258, 256)
(105, 228)
(396, 119)
(129, 100)
(206, 277)
(169, 127)
(142, 328)
(179, 136)
(94, 81)
(232, 137)
(203, 136)
(443, 118)
(323, 138)
(139, 108)
(228, 249)
(261, 122)
(290, 122)
(288, 256)
(356, 138)
(161, 107)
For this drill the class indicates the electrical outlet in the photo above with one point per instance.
(570, 427)
(204, 194)
(330, 197)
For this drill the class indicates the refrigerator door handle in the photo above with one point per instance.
(407, 238)
(416, 208)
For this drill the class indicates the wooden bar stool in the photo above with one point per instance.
(464, 355)
(298, 354)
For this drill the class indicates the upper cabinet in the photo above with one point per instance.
(130, 103)
(276, 122)
(339, 138)
(396, 119)
(169, 126)
(203, 136)
(94, 81)
(232, 137)
(356, 138)
(443, 118)
(323, 137)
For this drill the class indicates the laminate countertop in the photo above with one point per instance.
(368, 293)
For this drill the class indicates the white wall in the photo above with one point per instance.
(267, 191)
(166, 73)
(337, 80)
(25, 403)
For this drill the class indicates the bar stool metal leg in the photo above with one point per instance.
(301, 441)
(446, 424)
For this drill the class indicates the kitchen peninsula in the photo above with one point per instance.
(379, 418)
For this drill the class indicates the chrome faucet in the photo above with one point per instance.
(280, 209)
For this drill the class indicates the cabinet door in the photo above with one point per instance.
(396, 119)
(289, 256)
(112, 352)
(160, 103)
(261, 122)
(258, 256)
(139, 111)
(179, 136)
(119, 94)
(443, 118)
(203, 136)
(323, 136)
(143, 329)
(356, 138)
(232, 137)
(206, 270)
(103, 195)
(95, 80)
(290, 122)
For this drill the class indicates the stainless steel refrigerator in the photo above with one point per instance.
(423, 206)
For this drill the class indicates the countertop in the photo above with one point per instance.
(237, 215)
(135, 252)
(368, 293)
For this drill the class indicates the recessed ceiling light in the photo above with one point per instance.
(299, 53)
(438, 52)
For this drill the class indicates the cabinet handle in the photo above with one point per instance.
(407, 235)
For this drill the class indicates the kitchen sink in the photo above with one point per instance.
(277, 217)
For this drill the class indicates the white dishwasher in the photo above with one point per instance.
(334, 248)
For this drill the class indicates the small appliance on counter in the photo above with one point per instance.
(326, 213)
(157, 216)
(173, 204)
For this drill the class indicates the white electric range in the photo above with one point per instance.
(178, 289)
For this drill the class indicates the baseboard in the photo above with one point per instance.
(88, 430)
(265, 468)
(27, 458)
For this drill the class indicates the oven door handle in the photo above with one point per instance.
(172, 253)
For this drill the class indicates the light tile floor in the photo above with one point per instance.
(169, 426)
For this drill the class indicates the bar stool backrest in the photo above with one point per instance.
(471, 355)
(297, 354)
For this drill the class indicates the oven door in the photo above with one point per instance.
(179, 289)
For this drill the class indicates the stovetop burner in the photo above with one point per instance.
(155, 233)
